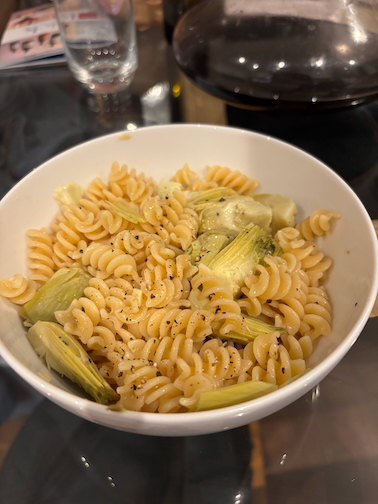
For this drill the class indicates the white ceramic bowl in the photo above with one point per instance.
(159, 151)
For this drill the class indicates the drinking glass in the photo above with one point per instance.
(99, 38)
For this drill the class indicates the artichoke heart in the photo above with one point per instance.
(253, 327)
(200, 199)
(64, 354)
(284, 210)
(206, 246)
(125, 210)
(68, 194)
(232, 394)
(167, 188)
(234, 213)
(63, 287)
(238, 259)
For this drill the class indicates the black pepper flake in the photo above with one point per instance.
(134, 386)
(316, 302)
(170, 277)
(65, 342)
(283, 370)
(355, 304)
(120, 374)
(81, 251)
(268, 301)
(153, 296)
(137, 237)
(279, 340)
(218, 309)
(158, 373)
(217, 214)
(222, 199)
(167, 322)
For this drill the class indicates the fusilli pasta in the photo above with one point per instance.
(160, 327)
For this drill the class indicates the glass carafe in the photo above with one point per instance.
(282, 54)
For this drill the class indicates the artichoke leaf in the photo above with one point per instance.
(125, 210)
(238, 259)
(63, 287)
(232, 394)
(65, 355)
(206, 246)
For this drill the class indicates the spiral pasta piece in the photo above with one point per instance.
(95, 220)
(104, 260)
(18, 289)
(66, 238)
(233, 179)
(130, 185)
(191, 181)
(317, 224)
(175, 320)
(278, 280)
(317, 313)
(40, 256)
(274, 364)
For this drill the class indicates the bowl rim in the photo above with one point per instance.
(284, 395)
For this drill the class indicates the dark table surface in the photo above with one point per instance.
(322, 449)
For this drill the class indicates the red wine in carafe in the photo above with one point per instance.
(274, 62)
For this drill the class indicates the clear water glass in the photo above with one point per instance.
(99, 38)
